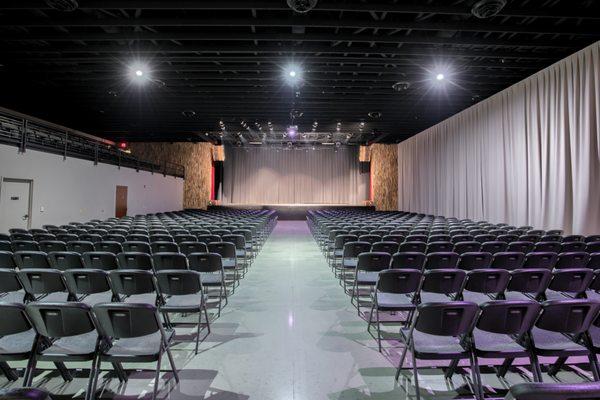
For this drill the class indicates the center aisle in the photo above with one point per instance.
(289, 332)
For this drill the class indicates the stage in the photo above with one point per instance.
(289, 212)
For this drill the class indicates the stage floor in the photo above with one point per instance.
(290, 211)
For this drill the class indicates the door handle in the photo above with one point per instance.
(25, 216)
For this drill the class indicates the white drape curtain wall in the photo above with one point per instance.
(267, 176)
(528, 155)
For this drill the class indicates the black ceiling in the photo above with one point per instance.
(224, 60)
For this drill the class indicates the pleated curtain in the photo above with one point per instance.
(529, 155)
(265, 175)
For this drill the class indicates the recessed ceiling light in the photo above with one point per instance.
(440, 77)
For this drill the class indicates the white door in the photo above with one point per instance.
(14, 204)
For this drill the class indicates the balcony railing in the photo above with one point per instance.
(26, 132)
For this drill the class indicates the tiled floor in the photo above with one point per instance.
(288, 333)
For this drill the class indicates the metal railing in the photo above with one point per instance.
(26, 132)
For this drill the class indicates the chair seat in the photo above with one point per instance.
(367, 278)
(144, 298)
(211, 279)
(550, 343)
(399, 301)
(83, 345)
(338, 252)
(17, 344)
(428, 297)
(13, 297)
(240, 253)
(516, 296)
(229, 263)
(349, 262)
(476, 297)
(488, 344)
(142, 346)
(185, 302)
(434, 347)
(53, 297)
(97, 298)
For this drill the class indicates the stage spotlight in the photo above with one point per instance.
(293, 74)
(440, 77)
(139, 72)
(292, 130)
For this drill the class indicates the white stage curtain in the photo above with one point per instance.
(529, 155)
(266, 176)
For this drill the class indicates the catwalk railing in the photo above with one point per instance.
(26, 132)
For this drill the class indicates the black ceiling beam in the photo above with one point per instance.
(323, 5)
(285, 37)
(297, 50)
(308, 21)
(252, 60)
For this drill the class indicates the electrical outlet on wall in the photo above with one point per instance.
(42, 209)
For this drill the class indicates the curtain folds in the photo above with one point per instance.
(528, 155)
(266, 176)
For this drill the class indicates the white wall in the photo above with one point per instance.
(78, 190)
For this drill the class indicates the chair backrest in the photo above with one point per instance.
(443, 281)
(385, 247)
(532, 281)
(393, 238)
(373, 261)
(592, 247)
(438, 247)
(488, 281)
(399, 281)
(540, 260)
(31, 259)
(210, 238)
(135, 260)
(567, 316)
(137, 238)
(225, 249)
(453, 318)
(5, 245)
(439, 238)
(369, 238)
(59, 320)
(573, 238)
(24, 245)
(42, 281)
(353, 249)
(205, 262)
(122, 320)
(178, 282)
(474, 260)
(26, 236)
(417, 238)
(13, 319)
(168, 260)
(576, 259)
(87, 281)
(9, 281)
(339, 241)
(64, 260)
(414, 247)
(466, 247)
(109, 246)
(7, 260)
(461, 238)
(192, 247)
(100, 260)
(164, 247)
(573, 280)
(554, 391)
(137, 247)
(114, 237)
(521, 247)
(80, 246)
(131, 282)
(442, 260)
(185, 238)
(508, 238)
(547, 246)
(592, 239)
(485, 238)
(594, 262)
(567, 247)
(509, 260)
(508, 317)
(48, 246)
(493, 247)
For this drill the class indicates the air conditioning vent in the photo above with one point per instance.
(302, 6)
(487, 8)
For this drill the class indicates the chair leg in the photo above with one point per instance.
(172, 363)
(10, 373)
(378, 328)
(503, 369)
(370, 321)
(476, 376)
(415, 374)
(594, 367)
(451, 369)
(30, 370)
(88, 390)
(157, 375)
(402, 357)
(64, 372)
(94, 383)
(537, 369)
(553, 370)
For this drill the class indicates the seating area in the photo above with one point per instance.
(115, 291)
(463, 290)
